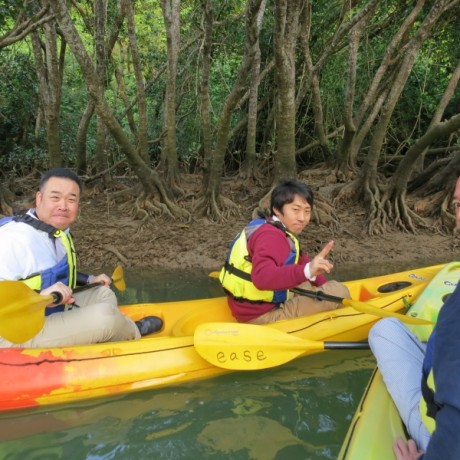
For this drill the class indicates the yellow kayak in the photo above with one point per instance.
(376, 423)
(39, 377)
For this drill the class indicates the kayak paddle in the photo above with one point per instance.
(250, 347)
(362, 307)
(22, 310)
(117, 280)
(22, 313)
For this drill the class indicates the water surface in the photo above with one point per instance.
(300, 410)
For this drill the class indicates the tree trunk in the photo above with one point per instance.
(249, 168)
(171, 15)
(119, 71)
(25, 25)
(49, 74)
(142, 140)
(100, 24)
(210, 202)
(372, 194)
(358, 125)
(286, 31)
(149, 180)
(205, 99)
(313, 79)
(103, 49)
(396, 211)
(80, 146)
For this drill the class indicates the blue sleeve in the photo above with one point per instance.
(82, 279)
(446, 353)
(445, 441)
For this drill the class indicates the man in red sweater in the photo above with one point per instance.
(265, 261)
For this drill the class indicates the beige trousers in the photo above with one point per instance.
(300, 305)
(96, 319)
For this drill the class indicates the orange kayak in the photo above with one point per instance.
(40, 377)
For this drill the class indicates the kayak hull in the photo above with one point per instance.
(375, 425)
(40, 377)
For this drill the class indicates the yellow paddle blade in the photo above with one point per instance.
(248, 346)
(118, 279)
(364, 307)
(214, 275)
(22, 311)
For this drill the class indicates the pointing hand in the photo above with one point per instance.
(320, 264)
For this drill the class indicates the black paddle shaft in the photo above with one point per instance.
(346, 345)
(318, 295)
(86, 286)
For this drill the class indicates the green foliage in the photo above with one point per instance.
(426, 85)
(20, 161)
(414, 111)
(18, 105)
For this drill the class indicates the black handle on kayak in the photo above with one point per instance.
(318, 295)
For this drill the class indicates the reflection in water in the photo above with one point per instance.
(231, 435)
(162, 285)
(300, 410)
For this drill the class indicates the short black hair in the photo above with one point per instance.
(64, 173)
(285, 192)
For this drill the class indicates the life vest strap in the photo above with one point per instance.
(257, 302)
(432, 407)
(237, 272)
(35, 223)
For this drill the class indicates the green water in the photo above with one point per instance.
(300, 410)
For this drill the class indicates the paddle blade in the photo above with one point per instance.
(214, 275)
(247, 346)
(118, 279)
(364, 307)
(22, 311)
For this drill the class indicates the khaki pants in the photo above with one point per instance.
(300, 305)
(96, 319)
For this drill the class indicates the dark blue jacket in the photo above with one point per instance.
(445, 441)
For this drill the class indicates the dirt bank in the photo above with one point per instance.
(105, 236)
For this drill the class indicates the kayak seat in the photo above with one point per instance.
(387, 288)
(187, 324)
(395, 286)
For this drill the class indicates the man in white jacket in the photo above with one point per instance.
(37, 248)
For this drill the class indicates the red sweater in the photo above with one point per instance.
(268, 249)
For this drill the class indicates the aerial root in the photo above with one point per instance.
(218, 210)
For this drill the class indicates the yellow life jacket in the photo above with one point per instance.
(235, 275)
(65, 270)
